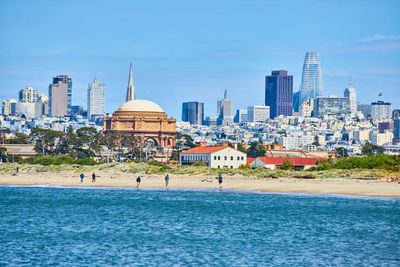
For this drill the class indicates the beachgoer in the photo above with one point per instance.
(166, 180)
(138, 181)
(17, 169)
(82, 176)
(93, 178)
(220, 181)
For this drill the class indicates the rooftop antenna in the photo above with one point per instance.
(225, 93)
(350, 81)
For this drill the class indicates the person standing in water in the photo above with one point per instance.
(166, 180)
(138, 181)
(82, 176)
(220, 181)
(93, 177)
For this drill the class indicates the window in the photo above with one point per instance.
(215, 157)
(242, 158)
(219, 157)
(218, 167)
(238, 158)
(232, 158)
(225, 158)
(231, 167)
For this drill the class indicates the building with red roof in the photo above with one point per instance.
(214, 156)
(274, 162)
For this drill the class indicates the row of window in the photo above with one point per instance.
(226, 158)
(219, 167)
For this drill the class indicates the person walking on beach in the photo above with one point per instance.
(166, 180)
(82, 176)
(93, 177)
(220, 181)
(138, 181)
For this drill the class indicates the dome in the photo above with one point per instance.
(140, 105)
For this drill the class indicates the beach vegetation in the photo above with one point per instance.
(199, 163)
(256, 150)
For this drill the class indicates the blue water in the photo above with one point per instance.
(77, 226)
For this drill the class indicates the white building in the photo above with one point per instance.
(258, 113)
(351, 94)
(241, 116)
(225, 112)
(95, 99)
(381, 139)
(381, 110)
(214, 157)
(8, 107)
(30, 110)
(306, 108)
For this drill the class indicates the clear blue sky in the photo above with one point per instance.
(192, 50)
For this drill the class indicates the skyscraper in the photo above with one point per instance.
(60, 93)
(351, 94)
(258, 113)
(279, 93)
(28, 95)
(381, 110)
(95, 100)
(331, 105)
(225, 112)
(193, 112)
(311, 82)
(130, 92)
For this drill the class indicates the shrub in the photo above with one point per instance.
(199, 163)
(85, 161)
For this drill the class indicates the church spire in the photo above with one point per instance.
(130, 92)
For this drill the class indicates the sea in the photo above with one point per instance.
(51, 226)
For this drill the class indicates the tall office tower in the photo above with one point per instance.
(193, 112)
(130, 92)
(396, 114)
(311, 82)
(351, 94)
(225, 112)
(60, 93)
(95, 100)
(28, 95)
(296, 101)
(279, 93)
(331, 105)
(258, 113)
(381, 110)
(241, 116)
(8, 107)
(396, 131)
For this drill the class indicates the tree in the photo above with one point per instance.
(45, 140)
(287, 165)
(3, 133)
(255, 150)
(3, 154)
(240, 147)
(369, 149)
(90, 139)
(316, 141)
(131, 143)
(341, 152)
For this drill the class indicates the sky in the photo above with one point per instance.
(194, 50)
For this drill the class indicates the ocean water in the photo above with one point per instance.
(97, 227)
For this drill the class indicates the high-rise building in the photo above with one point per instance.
(381, 110)
(241, 116)
(365, 110)
(331, 105)
(296, 101)
(307, 108)
(396, 114)
(351, 94)
(279, 93)
(225, 111)
(8, 107)
(28, 95)
(258, 113)
(193, 112)
(130, 92)
(95, 100)
(31, 110)
(60, 93)
(311, 82)
(396, 131)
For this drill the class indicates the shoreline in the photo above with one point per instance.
(341, 186)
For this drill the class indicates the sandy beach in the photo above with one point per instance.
(290, 185)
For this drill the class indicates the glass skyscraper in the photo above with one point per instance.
(193, 112)
(311, 83)
(95, 100)
(279, 93)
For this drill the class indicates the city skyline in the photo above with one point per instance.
(179, 62)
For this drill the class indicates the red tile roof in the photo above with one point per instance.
(204, 150)
(250, 160)
(294, 161)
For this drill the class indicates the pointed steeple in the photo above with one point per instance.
(225, 94)
(130, 92)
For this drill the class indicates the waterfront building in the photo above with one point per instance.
(95, 100)
(258, 113)
(274, 163)
(241, 116)
(60, 94)
(28, 95)
(351, 94)
(279, 93)
(381, 110)
(215, 157)
(225, 111)
(142, 119)
(193, 112)
(311, 82)
(8, 107)
(331, 105)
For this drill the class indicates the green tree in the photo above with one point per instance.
(287, 165)
(90, 139)
(255, 150)
(369, 149)
(45, 140)
(3, 154)
(316, 141)
(240, 147)
(341, 152)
